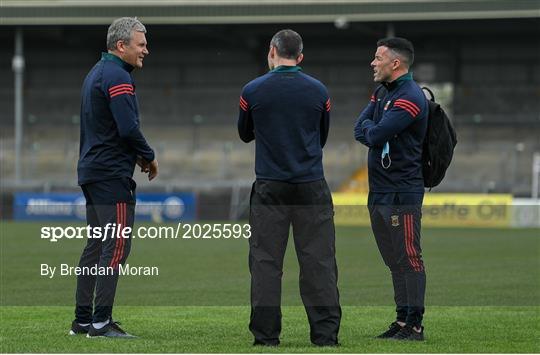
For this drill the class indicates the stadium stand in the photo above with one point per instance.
(188, 93)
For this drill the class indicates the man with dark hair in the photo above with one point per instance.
(287, 113)
(400, 47)
(393, 126)
(111, 144)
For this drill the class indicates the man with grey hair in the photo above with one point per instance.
(287, 113)
(111, 144)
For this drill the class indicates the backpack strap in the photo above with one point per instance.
(425, 88)
(425, 144)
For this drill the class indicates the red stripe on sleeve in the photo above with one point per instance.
(406, 109)
(243, 104)
(121, 93)
(120, 89)
(404, 105)
(413, 108)
(112, 88)
(410, 104)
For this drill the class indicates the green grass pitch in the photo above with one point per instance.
(483, 295)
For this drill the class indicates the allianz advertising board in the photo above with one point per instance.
(72, 206)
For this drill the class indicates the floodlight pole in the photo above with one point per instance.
(390, 30)
(535, 176)
(18, 69)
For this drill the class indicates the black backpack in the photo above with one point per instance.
(439, 144)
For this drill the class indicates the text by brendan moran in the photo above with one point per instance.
(125, 270)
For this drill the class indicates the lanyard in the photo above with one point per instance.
(386, 153)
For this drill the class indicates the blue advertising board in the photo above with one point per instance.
(72, 206)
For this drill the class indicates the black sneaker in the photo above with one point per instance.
(408, 333)
(111, 330)
(76, 328)
(393, 329)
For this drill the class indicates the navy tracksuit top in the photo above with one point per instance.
(399, 118)
(110, 138)
(287, 112)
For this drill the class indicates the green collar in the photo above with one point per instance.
(405, 77)
(399, 81)
(286, 69)
(113, 58)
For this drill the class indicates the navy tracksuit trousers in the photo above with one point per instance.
(107, 202)
(395, 220)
